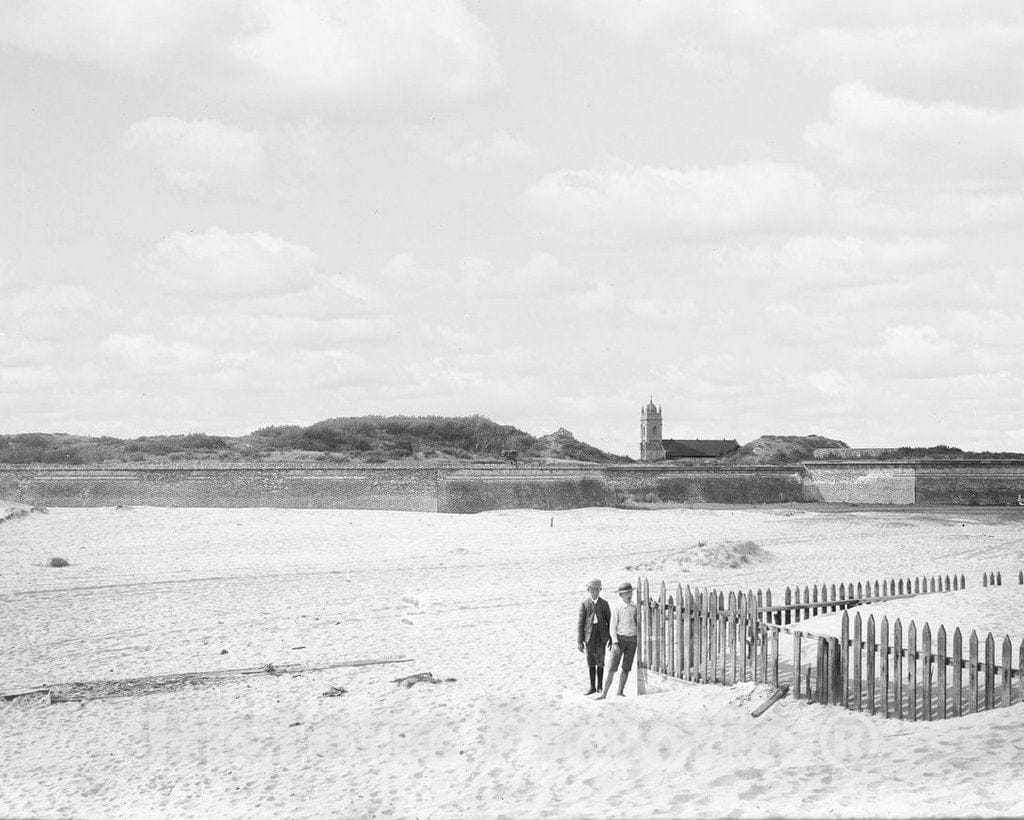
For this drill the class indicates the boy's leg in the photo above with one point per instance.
(628, 653)
(616, 654)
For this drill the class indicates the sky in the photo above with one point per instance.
(774, 217)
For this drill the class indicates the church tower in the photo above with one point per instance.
(651, 448)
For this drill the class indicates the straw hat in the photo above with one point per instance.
(625, 587)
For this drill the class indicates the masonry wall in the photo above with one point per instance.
(368, 489)
(984, 483)
(860, 483)
(468, 489)
(709, 484)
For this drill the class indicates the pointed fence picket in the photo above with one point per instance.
(714, 636)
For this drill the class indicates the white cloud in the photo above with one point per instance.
(663, 310)
(831, 261)
(867, 130)
(499, 149)
(627, 204)
(834, 383)
(58, 313)
(211, 157)
(601, 298)
(226, 264)
(144, 353)
(926, 209)
(664, 19)
(919, 352)
(973, 57)
(540, 277)
(296, 55)
(261, 330)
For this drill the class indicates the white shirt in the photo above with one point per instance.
(623, 620)
(593, 618)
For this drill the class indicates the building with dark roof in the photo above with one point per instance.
(655, 448)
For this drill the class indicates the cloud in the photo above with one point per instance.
(628, 204)
(540, 277)
(499, 149)
(59, 313)
(926, 209)
(831, 261)
(262, 330)
(635, 20)
(965, 56)
(144, 353)
(292, 55)
(663, 310)
(211, 157)
(867, 130)
(218, 263)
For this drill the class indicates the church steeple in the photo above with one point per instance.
(651, 448)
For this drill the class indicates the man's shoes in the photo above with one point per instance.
(590, 691)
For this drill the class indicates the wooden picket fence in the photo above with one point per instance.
(714, 636)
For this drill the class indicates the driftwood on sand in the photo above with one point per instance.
(420, 677)
(101, 689)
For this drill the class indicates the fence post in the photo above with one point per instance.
(680, 646)
(958, 673)
(697, 636)
(798, 611)
(733, 656)
(836, 672)
(775, 657)
(670, 637)
(912, 668)
(797, 640)
(821, 693)
(755, 618)
(940, 671)
(926, 670)
(897, 667)
(712, 654)
(883, 664)
(787, 599)
(1020, 667)
(1007, 668)
(741, 629)
(648, 632)
(659, 625)
(990, 672)
(870, 673)
(972, 673)
(844, 650)
(856, 660)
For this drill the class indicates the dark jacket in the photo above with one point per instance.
(585, 622)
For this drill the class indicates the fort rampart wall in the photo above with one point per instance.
(474, 488)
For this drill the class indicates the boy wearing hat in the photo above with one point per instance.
(592, 632)
(623, 629)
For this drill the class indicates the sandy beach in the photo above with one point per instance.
(490, 601)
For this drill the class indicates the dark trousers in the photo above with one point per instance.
(624, 652)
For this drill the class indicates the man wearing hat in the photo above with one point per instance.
(623, 630)
(592, 632)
